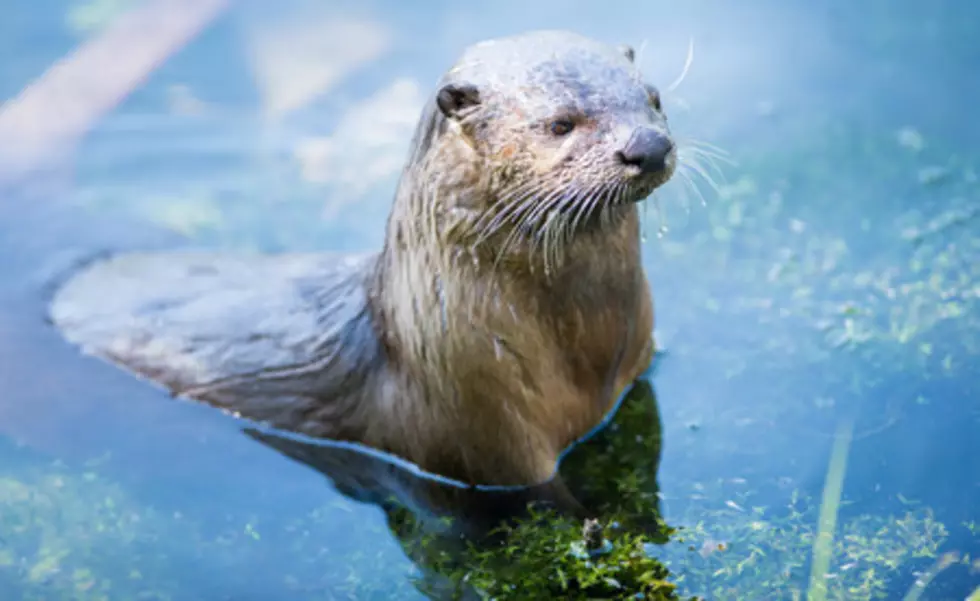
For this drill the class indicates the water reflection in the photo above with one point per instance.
(833, 275)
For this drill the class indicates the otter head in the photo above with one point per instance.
(551, 129)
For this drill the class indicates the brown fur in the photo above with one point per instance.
(504, 316)
(535, 348)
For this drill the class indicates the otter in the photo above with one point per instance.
(506, 312)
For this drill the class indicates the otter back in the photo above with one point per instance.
(257, 335)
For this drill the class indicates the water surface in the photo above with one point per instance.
(832, 278)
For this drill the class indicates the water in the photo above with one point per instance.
(833, 279)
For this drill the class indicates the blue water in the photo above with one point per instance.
(833, 277)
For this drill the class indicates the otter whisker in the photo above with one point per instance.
(521, 194)
(687, 66)
(568, 224)
(622, 190)
(587, 209)
(621, 194)
(703, 173)
(544, 233)
(598, 202)
(705, 160)
(512, 206)
(579, 201)
(515, 202)
(689, 153)
(711, 159)
(613, 196)
(583, 208)
(702, 144)
(691, 187)
(554, 241)
(718, 156)
(547, 204)
(606, 209)
(556, 226)
(527, 217)
(518, 202)
(530, 226)
(542, 214)
(551, 233)
(507, 202)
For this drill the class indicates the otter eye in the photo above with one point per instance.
(653, 95)
(561, 127)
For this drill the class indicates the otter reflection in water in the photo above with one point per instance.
(613, 473)
(505, 313)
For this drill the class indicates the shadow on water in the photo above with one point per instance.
(834, 275)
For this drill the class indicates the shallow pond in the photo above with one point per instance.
(819, 310)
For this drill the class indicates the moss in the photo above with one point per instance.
(543, 556)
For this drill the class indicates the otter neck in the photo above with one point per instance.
(436, 301)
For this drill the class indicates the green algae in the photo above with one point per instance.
(73, 534)
(543, 557)
(757, 552)
(68, 535)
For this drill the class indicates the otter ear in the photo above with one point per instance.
(453, 98)
(628, 52)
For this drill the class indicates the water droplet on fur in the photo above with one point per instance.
(497, 349)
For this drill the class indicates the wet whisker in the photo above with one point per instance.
(687, 67)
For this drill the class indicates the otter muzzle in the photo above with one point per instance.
(647, 149)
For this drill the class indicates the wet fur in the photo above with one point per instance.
(487, 335)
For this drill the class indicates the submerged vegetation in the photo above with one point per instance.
(754, 552)
(544, 556)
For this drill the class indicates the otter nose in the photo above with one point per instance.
(647, 149)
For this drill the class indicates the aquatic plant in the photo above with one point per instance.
(742, 550)
(69, 535)
(72, 534)
(544, 556)
(829, 507)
